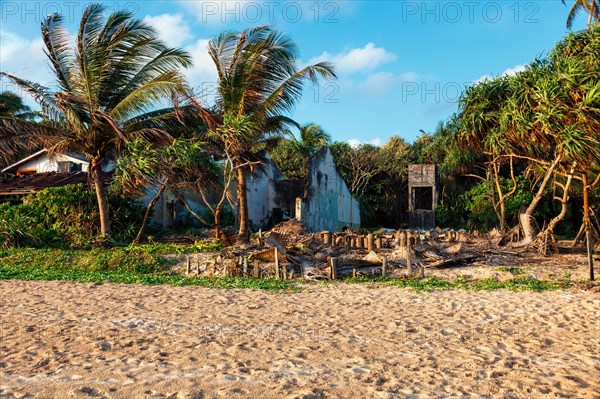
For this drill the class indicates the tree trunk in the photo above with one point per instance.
(545, 242)
(149, 210)
(217, 215)
(102, 199)
(526, 216)
(563, 201)
(242, 195)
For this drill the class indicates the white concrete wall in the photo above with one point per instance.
(328, 204)
(43, 164)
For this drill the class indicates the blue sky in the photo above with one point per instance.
(401, 64)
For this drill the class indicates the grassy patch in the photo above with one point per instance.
(515, 271)
(489, 284)
(144, 264)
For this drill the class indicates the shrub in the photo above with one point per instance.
(64, 216)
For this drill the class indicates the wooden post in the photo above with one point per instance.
(378, 241)
(586, 222)
(353, 272)
(403, 239)
(327, 238)
(285, 273)
(384, 267)
(256, 271)
(188, 265)
(370, 242)
(334, 268)
(260, 238)
(422, 271)
(245, 266)
(408, 254)
(276, 263)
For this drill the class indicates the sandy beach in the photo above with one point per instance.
(70, 340)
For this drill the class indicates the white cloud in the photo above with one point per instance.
(507, 72)
(376, 142)
(24, 58)
(362, 59)
(172, 28)
(203, 76)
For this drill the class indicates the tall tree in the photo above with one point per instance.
(110, 85)
(259, 81)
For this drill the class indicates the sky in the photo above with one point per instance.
(401, 65)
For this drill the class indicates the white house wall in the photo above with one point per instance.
(43, 164)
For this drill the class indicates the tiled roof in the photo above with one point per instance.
(31, 184)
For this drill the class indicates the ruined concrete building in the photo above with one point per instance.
(322, 201)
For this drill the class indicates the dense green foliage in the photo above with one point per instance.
(64, 216)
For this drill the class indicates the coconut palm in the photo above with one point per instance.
(258, 82)
(109, 87)
(589, 6)
(12, 106)
(313, 135)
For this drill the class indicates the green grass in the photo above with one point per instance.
(147, 264)
(489, 284)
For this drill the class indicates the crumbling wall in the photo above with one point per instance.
(262, 195)
(327, 204)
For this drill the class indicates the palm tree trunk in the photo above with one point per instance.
(592, 14)
(242, 195)
(149, 210)
(102, 198)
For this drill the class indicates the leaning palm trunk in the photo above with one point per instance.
(242, 195)
(98, 180)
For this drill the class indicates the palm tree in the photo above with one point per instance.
(12, 106)
(258, 82)
(108, 91)
(313, 135)
(590, 6)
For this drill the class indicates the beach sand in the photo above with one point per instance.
(72, 340)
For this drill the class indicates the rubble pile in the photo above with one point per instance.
(290, 251)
